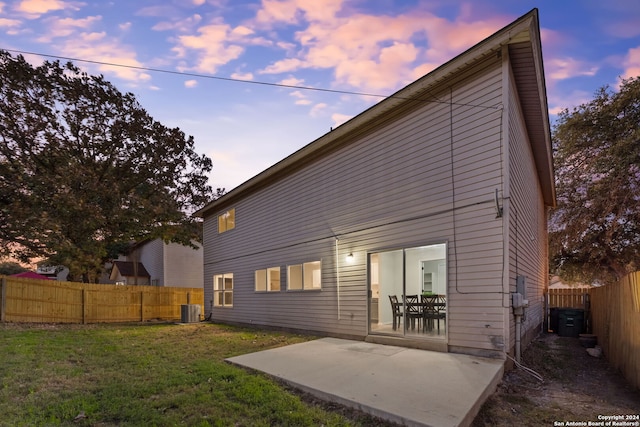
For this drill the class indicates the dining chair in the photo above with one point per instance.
(442, 310)
(396, 311)
(435, 310)
(429, 312)
(413, 310)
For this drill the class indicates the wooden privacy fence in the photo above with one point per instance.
(569, 298)
(48, 301)
(615, 313)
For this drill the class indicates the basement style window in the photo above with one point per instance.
(307, 276)
(268, 280)
(223, 290)
(227, 221)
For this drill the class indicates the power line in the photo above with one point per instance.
(255, 82)
(204, 76)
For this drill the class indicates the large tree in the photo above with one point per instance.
(595, 231)
(85, 170)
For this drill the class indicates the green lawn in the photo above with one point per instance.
(146, 375)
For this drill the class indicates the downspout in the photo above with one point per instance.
(338, 277)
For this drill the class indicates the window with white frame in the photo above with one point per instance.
(306, 276)
(223, 290)
(267, 280)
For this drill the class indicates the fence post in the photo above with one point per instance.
(3, 299)
(84, 306)
(142, 306)
(547, 312)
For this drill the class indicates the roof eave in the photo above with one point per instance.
(541, 138)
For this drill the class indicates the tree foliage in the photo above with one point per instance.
(85, 170)
(8, 268)
(595, 231)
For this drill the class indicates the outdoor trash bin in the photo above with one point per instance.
(570, 322)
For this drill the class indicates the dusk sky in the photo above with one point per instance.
(362, 46)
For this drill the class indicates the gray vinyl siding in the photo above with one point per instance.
(527, 224)
(182, 266)
(390, 187)
(151, 257)
(170, 264)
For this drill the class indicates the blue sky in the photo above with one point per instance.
(370, 46)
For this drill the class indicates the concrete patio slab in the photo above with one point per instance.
(407, 386)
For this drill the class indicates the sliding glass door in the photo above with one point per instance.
(408, 291)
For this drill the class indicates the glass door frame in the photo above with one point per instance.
(380, 322)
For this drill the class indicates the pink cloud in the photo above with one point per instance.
(558, 102)
(565, 68)
(181, 25)
(392, 66)
(339, 119)
(355, 48)
(208, 34)
(211, 46)
(59, 28)
(318, 109)
(551, 38)
(97, 47)
(242, 76)
(319, 10)
(277, 11)
(94, 37)
(374, 52)
(9, 23)
(76, 38)
(301, 98)
(289, 64)
(422, 70)
(274, 12)
(632, 63)
(448, 39)
(242, 30)
(40, 7)
(291, 81)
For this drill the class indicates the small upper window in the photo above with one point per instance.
(227, 221)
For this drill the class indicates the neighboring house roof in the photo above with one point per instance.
(138, 244)
(126, 269)
(31, 275)
(523, 40)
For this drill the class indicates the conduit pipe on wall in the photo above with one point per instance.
(518, 333)
(519, 303)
